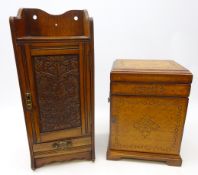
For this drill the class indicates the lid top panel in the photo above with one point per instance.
(129, 65)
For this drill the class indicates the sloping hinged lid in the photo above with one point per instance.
(150, 71)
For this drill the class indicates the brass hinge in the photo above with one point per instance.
(28, 99)
(113, 119)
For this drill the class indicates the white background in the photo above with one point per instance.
(156, 29)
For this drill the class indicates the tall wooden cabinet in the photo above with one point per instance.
(55, 63)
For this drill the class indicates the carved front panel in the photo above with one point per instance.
(147, 124)
(58, 91)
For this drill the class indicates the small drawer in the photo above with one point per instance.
(157, 89)
(66, 146)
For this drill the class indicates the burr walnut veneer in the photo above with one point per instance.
(55, 63)
(148, 104)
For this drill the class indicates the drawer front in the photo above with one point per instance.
(147, 124)
(122, 88)
(66, 146)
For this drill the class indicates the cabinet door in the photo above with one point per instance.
(55, 74)
(147, 124)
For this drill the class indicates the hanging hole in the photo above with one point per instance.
(55, 24)
(76, 18)
(35, 17)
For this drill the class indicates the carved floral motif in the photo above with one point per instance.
(57, 85)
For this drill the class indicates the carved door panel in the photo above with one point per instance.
(55, 75)
(142, 127)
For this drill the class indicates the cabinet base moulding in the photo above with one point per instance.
(172, 160)
(39, 162)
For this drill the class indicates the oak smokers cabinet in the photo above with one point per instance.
(55, 63)
(148, 105)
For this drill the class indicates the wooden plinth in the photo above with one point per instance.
(172, 160)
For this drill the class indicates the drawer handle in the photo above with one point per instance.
(62, 145)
